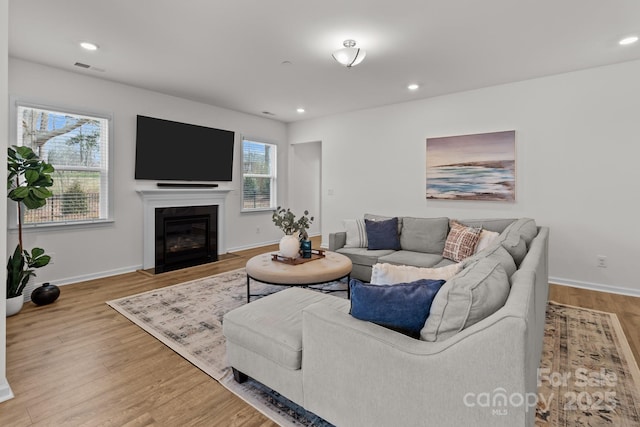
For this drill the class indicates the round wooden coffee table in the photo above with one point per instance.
(333, 266)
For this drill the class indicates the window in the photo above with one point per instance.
(77, 145)
(258, 176)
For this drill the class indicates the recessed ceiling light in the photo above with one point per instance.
(89, 46)
(628, 40)
(300, 110)
(413, 86)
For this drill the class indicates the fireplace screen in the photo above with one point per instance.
(185, 237)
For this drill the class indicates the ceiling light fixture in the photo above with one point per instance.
(89, 46)
(628, 40)
(300, 110)
(349, 55)
(413, 86)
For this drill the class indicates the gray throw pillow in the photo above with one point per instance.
(522, 227)
(496, 252)
(475, 293)
(515, 245)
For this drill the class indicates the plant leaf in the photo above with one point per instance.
(33, 203)
(42, 193)
(19, 193)
(40, 262)
(36, 252)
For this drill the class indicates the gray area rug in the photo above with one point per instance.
(579, 342)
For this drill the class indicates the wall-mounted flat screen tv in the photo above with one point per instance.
(167, 150)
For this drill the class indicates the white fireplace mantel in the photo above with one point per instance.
(153, 198)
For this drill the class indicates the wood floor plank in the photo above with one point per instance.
(79, 362)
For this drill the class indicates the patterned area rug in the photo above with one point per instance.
(588, 375)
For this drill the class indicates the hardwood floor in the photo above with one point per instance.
(79, 362)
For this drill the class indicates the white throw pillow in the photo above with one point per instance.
(356, 233)
(486, 237)
(389, 274)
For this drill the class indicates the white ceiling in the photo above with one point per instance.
(229, 53)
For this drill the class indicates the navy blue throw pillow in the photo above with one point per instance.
(383, 234)
(403, 307)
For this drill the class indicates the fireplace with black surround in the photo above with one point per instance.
(185, 236)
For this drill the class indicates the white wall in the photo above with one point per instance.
(81, 253)
(578, 145)
(5, 391)
(305, 185)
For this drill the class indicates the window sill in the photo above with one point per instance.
(257, 210)
(30, 228)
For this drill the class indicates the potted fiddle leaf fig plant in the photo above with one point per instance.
(28, 182)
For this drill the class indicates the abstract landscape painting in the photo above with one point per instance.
(472, 167)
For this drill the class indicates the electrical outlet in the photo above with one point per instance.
(602, 261)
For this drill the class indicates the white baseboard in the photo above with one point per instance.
(251, 246)
(82, 278)
(5, 390)
(257, 245)
(595, 286)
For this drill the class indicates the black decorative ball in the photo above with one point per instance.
(45, 294)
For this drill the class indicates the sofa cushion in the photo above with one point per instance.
(474, 294)
(382, 234)
(389, 274)
(356, 233)
(270, 326)
(461, 242)
(496, 252)
(492, 224)
(419, 259)
(522, 227)
(444, 262)
(363, 256)
(402, 307)
(424, 234)
(515, 245)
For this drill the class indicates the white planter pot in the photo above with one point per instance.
(290, 246)
(14, 305)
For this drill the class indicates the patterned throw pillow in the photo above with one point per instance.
(356, 233)
(461, 242)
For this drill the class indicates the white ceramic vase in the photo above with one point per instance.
(290, 246)
(14, 305)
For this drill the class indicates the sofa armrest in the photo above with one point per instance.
(359, 373)
(337, 240)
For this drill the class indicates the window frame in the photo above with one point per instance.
(12, 214)
(273, 176)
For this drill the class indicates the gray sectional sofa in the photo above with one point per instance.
(306, 345)
(421, 239)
